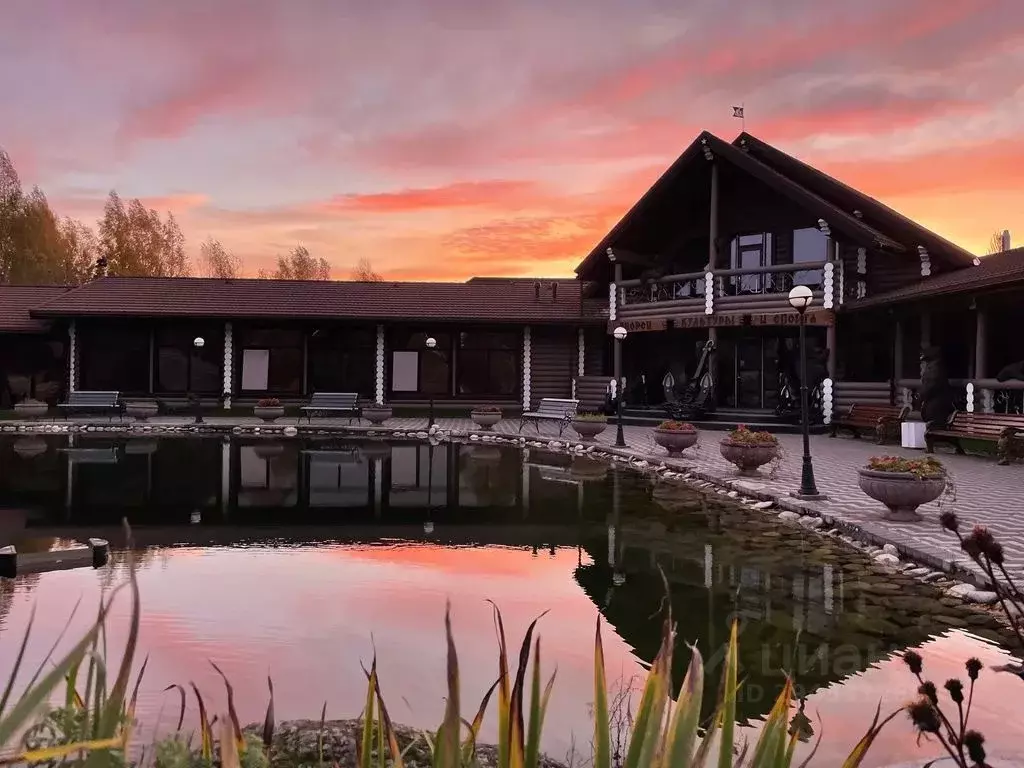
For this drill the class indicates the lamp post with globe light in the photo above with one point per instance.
(197, 344)
(801, 298)
(431, 344)
(620, 334)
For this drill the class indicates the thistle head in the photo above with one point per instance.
(974, 742)
(973, 667)
(949, 521)
(913, 660)
(927, 689)
(924, 716)
(955, 689)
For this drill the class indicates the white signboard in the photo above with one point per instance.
(255, 365)
(405, 370)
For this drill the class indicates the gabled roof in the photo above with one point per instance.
(17, 300)
(873, 211)
(998, 270)
(499, 301)
(814, 191)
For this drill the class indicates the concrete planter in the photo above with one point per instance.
(675, 441)
(485, 419)
(588, 430)
(268, 412)
(901, 492)
(268, 451)
(377, 414)
(31, 410)
(30, 447)
(140, 411)
(748, 457)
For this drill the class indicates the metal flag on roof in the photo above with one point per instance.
(737, 112)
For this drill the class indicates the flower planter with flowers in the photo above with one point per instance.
(377, 413)
(903, 485)
(486, 416)
(31, 409)
(589, 425)
(675, 436)
(749, 450)
(268, 409)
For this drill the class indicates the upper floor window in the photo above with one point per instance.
(750, 252)
(809, 245)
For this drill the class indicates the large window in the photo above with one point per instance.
(809, 245)
(415, 368)
(343, 360)
(750, 252)
(182, 367)
(270, 360)
(114, 357)
(488, 363)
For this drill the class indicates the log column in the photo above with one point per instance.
(617, 347)
(228, 365)
(72, 358)
(709, 284)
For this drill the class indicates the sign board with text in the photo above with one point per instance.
(821, 317)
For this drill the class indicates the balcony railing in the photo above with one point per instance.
(764, 288)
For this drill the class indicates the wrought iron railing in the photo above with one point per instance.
(773, 280)
(650, 292)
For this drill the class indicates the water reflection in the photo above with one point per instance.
(212, 515)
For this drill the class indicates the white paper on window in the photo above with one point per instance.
(405, 371)
(255, 366)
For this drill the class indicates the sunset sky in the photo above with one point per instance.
(447, 138)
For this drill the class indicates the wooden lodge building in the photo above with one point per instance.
(710, 252)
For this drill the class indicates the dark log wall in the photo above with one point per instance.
(553, 362)
(889, 271)
(594, 357)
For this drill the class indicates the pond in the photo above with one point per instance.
(298, 559)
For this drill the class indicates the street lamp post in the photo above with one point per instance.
(801, 298)
(197, 344)
(620, 334)
(431, 344)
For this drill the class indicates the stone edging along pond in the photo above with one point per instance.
(956, 582)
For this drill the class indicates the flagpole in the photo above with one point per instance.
(743, 117)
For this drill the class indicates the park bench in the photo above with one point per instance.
(323, 403)
(85, 401)
(551, 409)
(880, 420)
(1006, 430)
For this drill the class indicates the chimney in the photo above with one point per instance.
(1005, 240)
(536, 291)
(554, 291)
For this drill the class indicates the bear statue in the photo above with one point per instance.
(936, 394)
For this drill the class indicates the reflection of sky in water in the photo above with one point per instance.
(308, 615)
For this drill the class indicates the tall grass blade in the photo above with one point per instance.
(36, 696)
(205, 727)
(268, 720)
(814, 751)
(232, 712)
(17, 661)
(516, 726)
(114, 707)
(388, 727)
(860, 750)
(448, 738)
(504, 690)
(533, 734)
(366, 741)
(771, 745)
(320, 737)
(229, 748)
(602, 732)
(682, 732)
(181, 710)
(135, 691)
(645, 741)
(72, 698)
(56, 752)
(729, 690)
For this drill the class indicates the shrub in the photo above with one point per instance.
(677, 426)
(487, 409)
(378, 404)
(926, 467)
(269, 402)
(745, 436)
(590, 417)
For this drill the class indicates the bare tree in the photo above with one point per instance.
(363, 273)
(217, 261)
(300, 264)
(995, 242)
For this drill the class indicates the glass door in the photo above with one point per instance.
(749, 370)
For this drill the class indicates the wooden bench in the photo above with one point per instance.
(323, 403)
(881, 420)
(1006, 430)
(85, 401)
(551, 409)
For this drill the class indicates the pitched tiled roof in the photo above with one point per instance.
(17, 300)
(509, 300)
(997, 270)
(839, 219)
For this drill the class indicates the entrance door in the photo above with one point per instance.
(749, 373)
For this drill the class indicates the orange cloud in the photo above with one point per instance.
(460, 194)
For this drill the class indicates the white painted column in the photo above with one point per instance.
(229, 366)
(378, 386)
(378, 486)
(827, 580)
(72, 356)
(970, 397)
(862, 271)
(709, 292)
(581, 350)
(225, 477)
(828, 285)
(526, 368)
